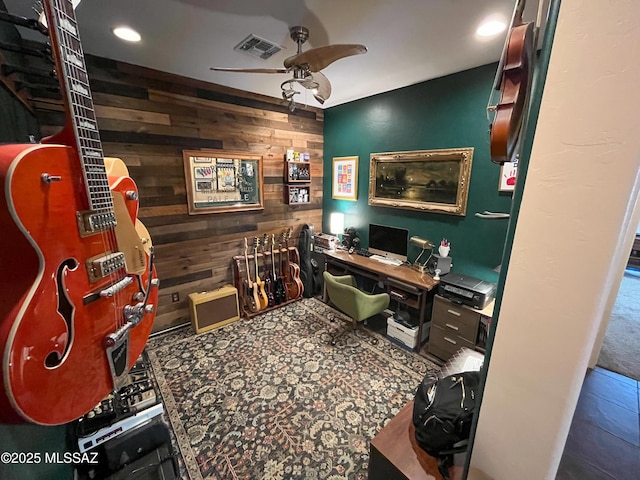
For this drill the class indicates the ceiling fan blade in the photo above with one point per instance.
(250, 70)
(322, 57)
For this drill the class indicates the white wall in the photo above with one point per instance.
(578, 205)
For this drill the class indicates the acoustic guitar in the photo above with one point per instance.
(295, 288)
(78, 291)
(263, 301)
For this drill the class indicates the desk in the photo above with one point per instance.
(404, 284)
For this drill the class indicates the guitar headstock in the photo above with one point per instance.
(246, 246)
(265, 242)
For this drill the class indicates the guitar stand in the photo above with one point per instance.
(241, 276)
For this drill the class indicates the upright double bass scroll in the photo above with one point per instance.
(513, 81)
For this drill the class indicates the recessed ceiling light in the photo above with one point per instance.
(490, 28)
(126, 33)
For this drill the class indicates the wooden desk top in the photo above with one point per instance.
(402, 273)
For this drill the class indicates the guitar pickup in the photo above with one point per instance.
(105, 265)
(90, 223)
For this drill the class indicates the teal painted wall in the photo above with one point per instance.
(448, 112)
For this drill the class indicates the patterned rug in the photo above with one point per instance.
(269, 398)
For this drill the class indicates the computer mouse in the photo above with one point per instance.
(351, 250)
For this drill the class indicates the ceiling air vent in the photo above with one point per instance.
(258, 47)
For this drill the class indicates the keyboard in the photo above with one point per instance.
(363, 252)
(387, 260)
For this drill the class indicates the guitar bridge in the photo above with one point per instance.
(104, 265)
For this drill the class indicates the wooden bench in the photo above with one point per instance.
(395, 454)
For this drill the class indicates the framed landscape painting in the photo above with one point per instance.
(425, 180)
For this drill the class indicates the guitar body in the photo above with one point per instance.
(294, 284)
(52, 328)
(249, 298)
(280, 294)
(263, 301)
(268, 288)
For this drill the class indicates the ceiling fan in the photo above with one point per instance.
(306, 67)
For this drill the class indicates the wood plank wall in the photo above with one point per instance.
(147, 118)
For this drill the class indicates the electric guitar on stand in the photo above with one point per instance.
(263, 301)
(251, 299)
(280, 293)
(78, 291)
(268, 279)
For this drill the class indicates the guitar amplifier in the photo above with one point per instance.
(214, 309)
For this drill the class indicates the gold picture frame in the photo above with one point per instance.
(223, 181)
(344, 178)
(424, 180)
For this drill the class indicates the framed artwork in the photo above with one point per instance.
(508, 176)
(344, 178)
(222, 181)
(424, 180)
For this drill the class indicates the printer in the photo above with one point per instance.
(466, 290)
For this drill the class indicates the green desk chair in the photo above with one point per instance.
(345, 295)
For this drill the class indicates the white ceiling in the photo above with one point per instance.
(408, 41)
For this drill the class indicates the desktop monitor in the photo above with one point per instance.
(388, 241)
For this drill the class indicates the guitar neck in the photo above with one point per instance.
(74, 82)
(255, 261)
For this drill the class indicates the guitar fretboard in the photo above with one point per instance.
(75, 83)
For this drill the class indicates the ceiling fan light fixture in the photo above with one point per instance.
(490, 28)
(127, 34)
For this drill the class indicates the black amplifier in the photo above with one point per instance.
(466, 290)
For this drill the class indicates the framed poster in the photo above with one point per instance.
(425, 180)
(508, 176)
(222, 181)
(344, 178)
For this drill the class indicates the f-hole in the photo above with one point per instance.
(65, 309)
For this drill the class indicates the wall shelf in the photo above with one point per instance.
(297, 172)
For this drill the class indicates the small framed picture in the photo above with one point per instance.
(345, 178)
(508, 177)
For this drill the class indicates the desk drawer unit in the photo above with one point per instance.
(453, 327)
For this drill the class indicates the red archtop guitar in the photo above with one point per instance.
(78, 289)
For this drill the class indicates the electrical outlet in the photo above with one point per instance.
(175, 297)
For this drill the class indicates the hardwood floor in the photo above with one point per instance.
(604, 440)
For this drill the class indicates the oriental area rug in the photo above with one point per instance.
(270, 398)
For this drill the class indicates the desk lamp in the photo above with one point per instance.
(424, 245)
(336, 225)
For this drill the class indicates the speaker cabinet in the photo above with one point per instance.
(214, 309)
